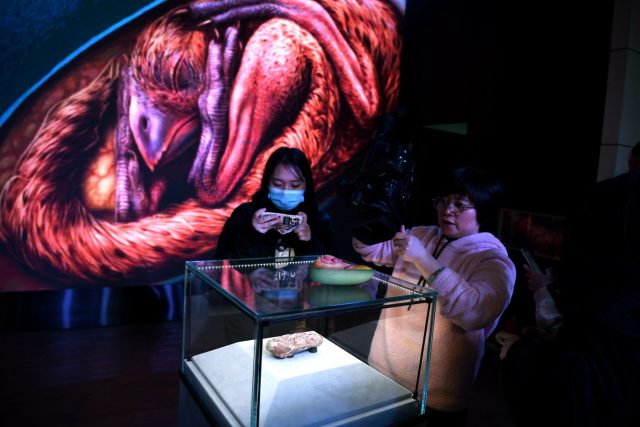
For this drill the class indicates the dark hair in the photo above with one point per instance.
(483, 188)
(295, 159)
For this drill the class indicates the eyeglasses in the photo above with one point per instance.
(455, 206)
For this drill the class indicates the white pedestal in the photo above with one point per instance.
(330, 387)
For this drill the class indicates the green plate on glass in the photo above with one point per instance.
(350, 276)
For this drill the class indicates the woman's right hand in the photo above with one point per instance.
(408, 247)
(263, 223)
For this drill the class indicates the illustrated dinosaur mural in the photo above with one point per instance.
(136, 169)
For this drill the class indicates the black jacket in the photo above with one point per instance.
(240, 240)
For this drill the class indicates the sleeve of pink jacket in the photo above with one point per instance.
(477, 302)
(379, 254)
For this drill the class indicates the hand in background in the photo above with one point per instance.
(303, 231)
(537, 280)
(263, 223)
(506, 340)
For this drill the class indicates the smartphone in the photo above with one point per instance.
(287, 222)
(528, 257)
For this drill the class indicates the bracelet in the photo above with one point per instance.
(433, 275)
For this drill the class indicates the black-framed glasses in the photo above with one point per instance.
(455, 206)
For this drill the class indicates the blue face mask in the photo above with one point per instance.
(285, 200)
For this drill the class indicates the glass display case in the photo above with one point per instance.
(237, 310)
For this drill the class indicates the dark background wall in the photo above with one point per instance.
(528, 79)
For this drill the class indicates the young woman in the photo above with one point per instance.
(474, 278)
(287, 187)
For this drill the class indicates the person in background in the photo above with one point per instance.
(474, 277)
(286, 187)
(547, 315)
(588, 374)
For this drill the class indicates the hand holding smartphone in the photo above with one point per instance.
(536, 278)
(531, 262)
(286, 223)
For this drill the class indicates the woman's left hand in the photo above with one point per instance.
(303, 231)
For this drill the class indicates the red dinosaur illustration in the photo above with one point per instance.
(184, 125)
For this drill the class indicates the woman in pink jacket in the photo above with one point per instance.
(474, 277)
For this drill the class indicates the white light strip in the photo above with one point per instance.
(274, 264)
(266, 264)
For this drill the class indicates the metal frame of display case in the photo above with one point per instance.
(205, 270)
